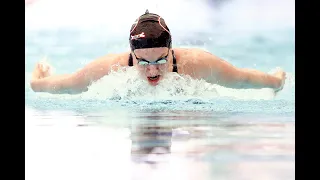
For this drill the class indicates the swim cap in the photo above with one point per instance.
(149, 31)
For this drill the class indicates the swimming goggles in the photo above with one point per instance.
(159, 61)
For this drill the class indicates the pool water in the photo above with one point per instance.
(182, 129)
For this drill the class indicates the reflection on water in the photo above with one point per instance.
(150, 139)
(220, 149)
(158, 145)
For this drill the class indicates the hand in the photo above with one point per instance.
(281, 75)
(42, 70)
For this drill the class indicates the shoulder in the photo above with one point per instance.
(188, 53)
(119, 58)
(193, 55)
(196, 62)
(102, 65)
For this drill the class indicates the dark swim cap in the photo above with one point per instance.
(149, 31)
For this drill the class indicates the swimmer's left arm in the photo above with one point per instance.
(225, 74)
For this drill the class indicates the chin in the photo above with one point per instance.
(154, 81)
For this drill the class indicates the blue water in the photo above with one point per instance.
(117, 129)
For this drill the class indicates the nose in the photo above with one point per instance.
(152, 69)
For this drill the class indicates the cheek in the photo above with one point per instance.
(163, 68)
(141, 70)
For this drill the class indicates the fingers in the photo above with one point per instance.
(283, 79)
(43, 65)
(281, 75)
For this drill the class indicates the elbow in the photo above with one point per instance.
(35, 86)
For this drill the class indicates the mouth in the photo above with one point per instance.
(154, 79)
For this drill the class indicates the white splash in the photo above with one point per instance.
(126, 84)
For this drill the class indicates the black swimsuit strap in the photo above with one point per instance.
(130, 63)
(175, 68)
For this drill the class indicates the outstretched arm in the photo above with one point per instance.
(225, 74)
(71, 83)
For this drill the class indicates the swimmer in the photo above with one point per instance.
(153, 56)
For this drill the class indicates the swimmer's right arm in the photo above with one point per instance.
(74, 83)
(60, 84)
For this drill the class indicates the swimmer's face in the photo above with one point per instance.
(152, 63)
